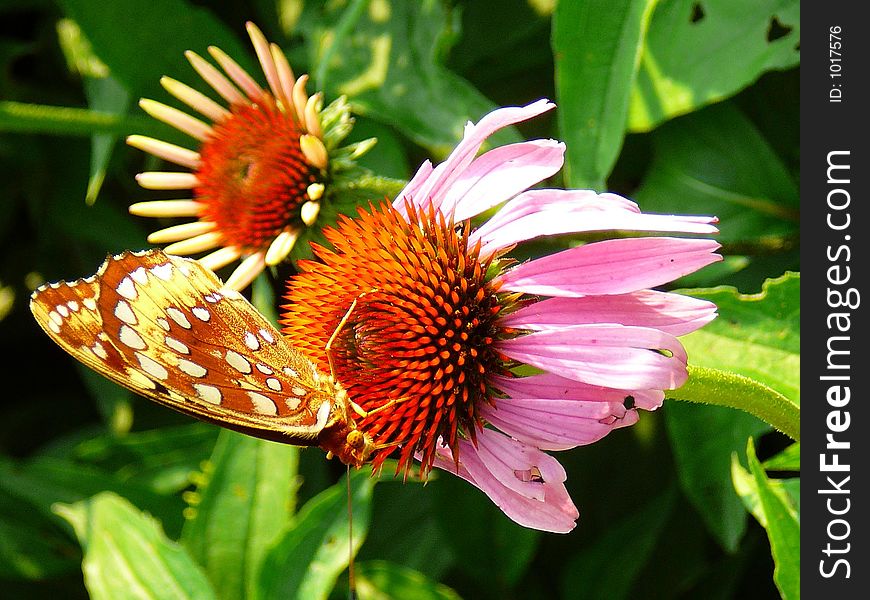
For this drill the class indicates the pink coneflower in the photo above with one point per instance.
(444, 321)
(263, 168)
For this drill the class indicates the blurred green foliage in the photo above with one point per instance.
(685, 106)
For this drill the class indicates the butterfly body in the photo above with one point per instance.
(165, 327)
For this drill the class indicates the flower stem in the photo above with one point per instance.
(724, 388)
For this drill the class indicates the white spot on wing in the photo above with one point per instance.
(127, 289)
(238, 362)
(201, 313)
(63, 310)
(291, 372)
(125, 313)
(176, 345)
(99, 350)
(292, 402)
(251, 341)
(90, 303)
(263, 404)
(152, 367)
(323, 414)
(163, 271)
(130, 338)
(264, 369)
(55, 317)
(191, 368)
(267, 335)
(73, 305)
(139, 276)
(164, 324)
(273, 384)
(139, 380)
(299, 391)
(178, 316)
(209, 393)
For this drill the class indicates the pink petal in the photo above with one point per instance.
(611, 267)
(556, 424)
(535, 494)
(672, 313)
(554, 387)
(501, 174)
(438, 182)
(607, 355)
(410, 190)
(553, 212)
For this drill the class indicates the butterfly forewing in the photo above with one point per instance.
(164, 327)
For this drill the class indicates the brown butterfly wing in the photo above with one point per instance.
(163, 327)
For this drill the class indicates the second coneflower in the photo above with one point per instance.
(463, 359)
(263, 166)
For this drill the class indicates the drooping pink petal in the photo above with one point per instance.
(501, 174)
(436, 183)
(611, 267)
(605, 355)
(672, 313)
(553, 387)
(535, 494)
(556, 424)
(537, 213)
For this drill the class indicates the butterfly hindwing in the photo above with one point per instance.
(163, 327)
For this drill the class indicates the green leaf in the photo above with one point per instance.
(44, 481)
(105, 95)
(127, 554)
(385, 57)
(32, 546)
(164, 30)
(698, 52)
(381, 580)
(715, 162)
(608, 567)
(596, 46)
(703, 439)
(756, 340)
(245, 498)
(787, 460)
(493, 30)
(161, 459)
(755, 335)
(314, 550)
(771, 504)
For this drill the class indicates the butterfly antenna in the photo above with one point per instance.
(351, 581)
(338, 328)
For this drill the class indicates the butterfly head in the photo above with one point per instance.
(350, 445)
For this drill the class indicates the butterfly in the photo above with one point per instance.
(165, 327)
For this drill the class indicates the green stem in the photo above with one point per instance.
(63, 120)
(723, 388)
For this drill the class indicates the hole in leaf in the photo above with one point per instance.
(697, 13)
(777, 30)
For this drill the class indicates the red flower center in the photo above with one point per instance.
(253, 175)
(420, 339)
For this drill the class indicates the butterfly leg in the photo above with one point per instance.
(367, 413)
